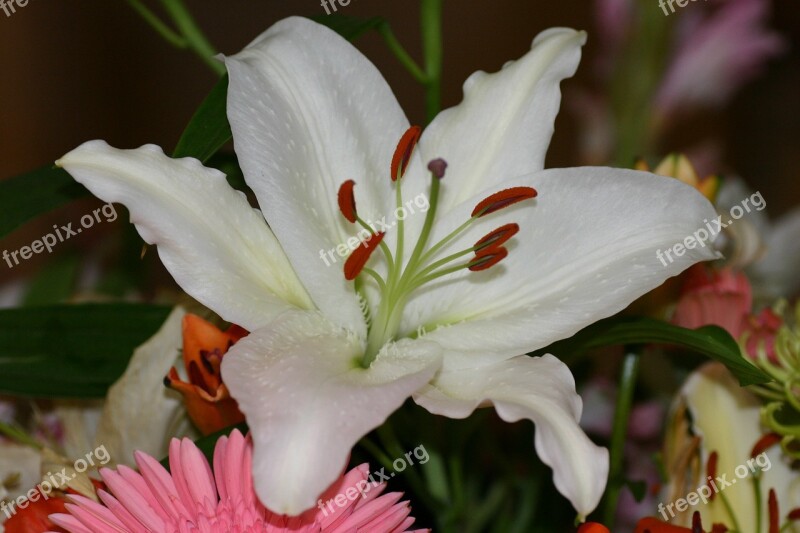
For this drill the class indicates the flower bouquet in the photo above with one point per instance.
(319, 315)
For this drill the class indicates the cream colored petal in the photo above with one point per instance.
(140, 412)
(727, 419)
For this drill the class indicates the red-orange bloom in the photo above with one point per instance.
(33, 518)
(593, 527)
(207, 400)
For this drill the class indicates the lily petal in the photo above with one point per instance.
(303, 124)
(503, 126)
(307, 400)
(588, 246)
(140, 413)
(540, 389)
(214, 244)
(727, 417)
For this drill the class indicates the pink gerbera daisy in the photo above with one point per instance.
(192, 498)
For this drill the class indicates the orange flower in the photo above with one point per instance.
(206, 397)
(593, 527)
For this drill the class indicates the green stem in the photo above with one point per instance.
(627, 386)
(188, 35)
(430, 216)
(731, 513)
(151, 18)
(17, 434)
(384, 247)
(392, 444)
(635, 82)
(377, 277)
(431, 14)
(195, 38)
(400, 53)
(759, 504)
(441, 262)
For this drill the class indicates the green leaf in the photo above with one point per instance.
(71, 351)
(24, 197)
(638, 489)
(208, 130)
(711, 341)
(350, 28)
(54, 283)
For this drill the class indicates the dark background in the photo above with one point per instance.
(78, 70)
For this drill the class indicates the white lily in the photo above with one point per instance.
(328, 360)
(726, 418)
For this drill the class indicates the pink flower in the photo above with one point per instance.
(192, 499)
(717, 53)
(760, 332)
(719, 297)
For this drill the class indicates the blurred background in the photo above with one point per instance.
(74, 71)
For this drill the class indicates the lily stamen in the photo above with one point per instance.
(401, 278)
(402, 155)
(358, 259)
(347, 201)
(497, 237)
(488, 259)
(774, 515)
(502, 199)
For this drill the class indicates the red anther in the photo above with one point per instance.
(774, 518)
(697, 523)
(402, 154)
(794, 514)
(502, 199)
(355, 263)
(764, 443)
(653, 525)
(347, 200)
(711, 472)
(489, 258)
(497, 237)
